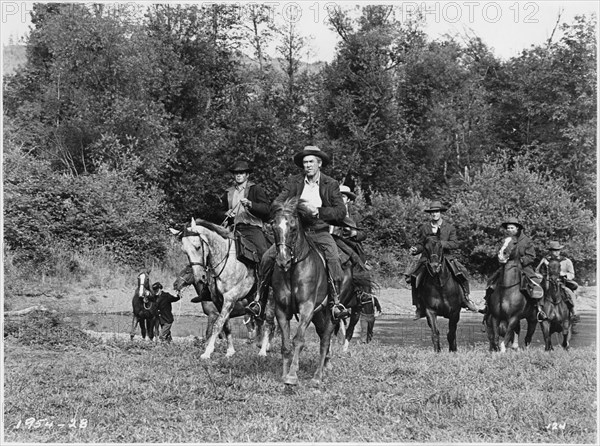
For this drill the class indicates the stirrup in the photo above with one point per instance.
(541, 315)
(254, 309)
(342, 311)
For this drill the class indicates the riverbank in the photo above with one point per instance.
(118, 300)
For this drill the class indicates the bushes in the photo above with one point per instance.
(46, 212)
(501, 189)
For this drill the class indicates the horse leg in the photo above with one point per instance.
(354, 318)
(531, 325)
(515, 338)
(324, 327)
(512, 323)
(286, 347)
(143, 328)
(268, 329)
(452, 326)
(210, 310)
(218, 326)
(134, 324)
(493, 333)
(305, 313)
(435, 333)
(547, 335)
(566, 334)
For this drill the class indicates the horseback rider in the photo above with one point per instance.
(518, 248)
(245, 208)
(348, 236)
(322, 196)
(567, 274)
(446, 234)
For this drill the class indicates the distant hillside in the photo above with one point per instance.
(14, 56)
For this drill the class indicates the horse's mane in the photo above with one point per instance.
(296, 207)
(223, 232)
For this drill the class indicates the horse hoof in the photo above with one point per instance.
(315, 382)
(204, 356)
(291, 380)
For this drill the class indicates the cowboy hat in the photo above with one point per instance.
(554, 245)
(346, 191)
(512, 221)
(157, 286)
(436, 206)
(240, 166)
(311, 150)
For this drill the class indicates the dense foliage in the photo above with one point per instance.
(124, 119)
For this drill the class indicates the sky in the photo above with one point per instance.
(507, 27)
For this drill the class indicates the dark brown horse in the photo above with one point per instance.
(506, 307)
(554, 305)
(145, 309)
(299, 288)
(355, 286)
(186, 278)
(439, 292)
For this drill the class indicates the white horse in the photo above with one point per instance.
(211, 250)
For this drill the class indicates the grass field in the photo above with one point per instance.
(61, 385)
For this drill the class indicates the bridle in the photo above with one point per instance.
(144, 296)
(205, 253)
(292, 245)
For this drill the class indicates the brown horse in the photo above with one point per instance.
(554, 305)
(506, 307)
(439, 292)
(186, 278)
(299, 288)
(145, 308)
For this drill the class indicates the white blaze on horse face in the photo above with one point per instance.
(141, 280)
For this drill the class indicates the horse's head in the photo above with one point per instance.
(553, 283)
(286, 228)
(143, 290)
(194, 243)
(434, 253)
(184, 278)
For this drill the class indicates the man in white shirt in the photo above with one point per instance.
(324, 199)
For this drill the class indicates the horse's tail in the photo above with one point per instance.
(362, 281)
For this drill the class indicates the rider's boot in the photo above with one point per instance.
(417, 304)
(486, 299)
(574, 314)
(204, 295)
(338, 310)
(541, 315)
(467, 302)
(257, 307)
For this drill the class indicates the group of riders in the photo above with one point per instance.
(335, 232)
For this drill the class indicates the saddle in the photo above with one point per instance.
(245, 250)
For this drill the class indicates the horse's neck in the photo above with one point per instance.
(302, 246)
(218, 248)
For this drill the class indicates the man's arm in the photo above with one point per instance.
(451, 242)
(567, 269)
(337, 211)
(528, 254)
(260, 205)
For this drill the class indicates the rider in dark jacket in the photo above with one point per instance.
(446, 234)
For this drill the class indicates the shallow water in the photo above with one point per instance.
(389, 329)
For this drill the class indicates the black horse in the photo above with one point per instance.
(554, 305)
(145, 308)
(439, 292)
(355, 284)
